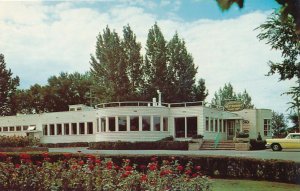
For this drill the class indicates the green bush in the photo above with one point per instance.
(59, 145)
(158, 145)
(17, 141)
(257, 144)
(242, 135)
(214, 166)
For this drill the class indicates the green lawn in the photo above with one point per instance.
(250, 185)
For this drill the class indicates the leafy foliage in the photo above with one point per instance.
(8, 87)
(280, 35)
(227, 93)
(278, 123)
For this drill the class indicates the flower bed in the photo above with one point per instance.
(87, 172)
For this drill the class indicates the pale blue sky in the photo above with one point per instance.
(44, 38)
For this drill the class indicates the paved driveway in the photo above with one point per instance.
(293, 155)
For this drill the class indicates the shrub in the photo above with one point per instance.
(17, 141)
(59, 145)
(257, 145)
(197, 136)
(169, 138)
(242, 135)
(158, 145)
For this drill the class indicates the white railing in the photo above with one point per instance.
(156, 104)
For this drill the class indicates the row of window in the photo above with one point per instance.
(133, 123)
(15, 128)
(81, 128)
(215, 125)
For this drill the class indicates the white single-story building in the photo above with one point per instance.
(138, 121)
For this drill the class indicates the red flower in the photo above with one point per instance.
(74, 167)
(152, 166)
(128, 168)
(198, 168)
(91, 157)
(91, 167)
(47, 159)
(17, 165)
(67, 155)
(45, 155)
(109, 165)
(144, 178)
(194, 175)
(97, 161)
(188, 172)
(127, 160)
(24, 156)
(180, 168)
(165, 172)
(116, 167)
(126, 174)
(39, 163)
(81, 162)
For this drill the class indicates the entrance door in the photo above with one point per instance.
(230, 129)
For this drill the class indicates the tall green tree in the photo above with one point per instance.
(227, 93)
(8, 87)
(278, 123)
(109, 69)
(156, 70)
(281, 35)
(181, 71)
(67, 89)
(134, 63)
(199, 91)
(294, 118)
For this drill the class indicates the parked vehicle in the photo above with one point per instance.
(291, 141)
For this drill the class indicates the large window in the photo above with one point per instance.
(146, 123)
(51, 129)
(59, 129)
(5, 128)
(191, 123)
(211, 125)
(216, 125)
(165, 124)
(18, 128)
(25, 127)
(90, 128)
(134, 123)
(267, 127)
(122, 121)
(74, 128)
(103, 125)
(206, 123)
(81, 128)
(11, 128)
(0, 129)
(224, 126)
(180, 127)
(156, 123)
(45, 129)
(112, 124)
(67, 129)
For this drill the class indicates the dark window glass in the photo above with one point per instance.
(156, 123)
(45, 129)
(191, 123)
(165, 124)
(59, 129)
(112, 124)
(180, 127)
(67, 128)
(134, 123)
(81, 128)
(90, 127)
(122, 121)
(74, 128)
(146, 123)
(51, 129)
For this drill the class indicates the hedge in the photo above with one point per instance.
(214, 166)
(257, 144)
(59, 145)
(159, 145)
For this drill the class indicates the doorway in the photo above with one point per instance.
(230, 129)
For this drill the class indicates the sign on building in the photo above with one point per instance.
(234, 106)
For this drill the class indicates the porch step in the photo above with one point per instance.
(222, 145)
